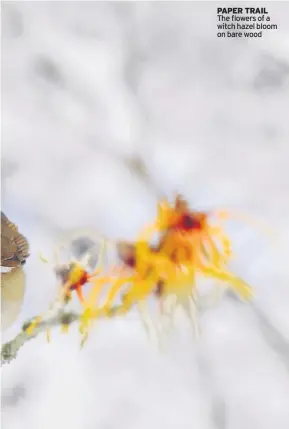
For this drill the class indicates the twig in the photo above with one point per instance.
(9, 350)
(58, 318)
(55, 316)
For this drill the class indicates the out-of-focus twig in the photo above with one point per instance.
(60, 318)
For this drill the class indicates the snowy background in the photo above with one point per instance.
(106, 106)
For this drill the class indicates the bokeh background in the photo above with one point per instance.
(106, 106)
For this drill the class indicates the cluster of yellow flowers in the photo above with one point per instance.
(190, 244)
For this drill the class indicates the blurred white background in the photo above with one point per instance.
(106, 106)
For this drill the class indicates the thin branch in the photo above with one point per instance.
(60, 318)
(57, 318)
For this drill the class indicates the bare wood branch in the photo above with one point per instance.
(10, 349)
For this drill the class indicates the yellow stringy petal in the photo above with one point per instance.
(48, 335)
(33, 325)
(239, 285)
(89, 314)
(95, 291)
(64, 328)
(115, 289)
(85, 322)
(165, 216)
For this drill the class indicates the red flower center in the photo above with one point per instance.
(188, 222)
(81, 282)
(130, 261)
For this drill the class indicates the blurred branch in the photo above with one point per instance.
(60, 318)
(137, 167)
